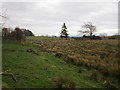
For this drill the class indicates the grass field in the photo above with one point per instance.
(80, 64)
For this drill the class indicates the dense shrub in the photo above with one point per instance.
(16, 34)
(5, 33)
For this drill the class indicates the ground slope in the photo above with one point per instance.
(38, 71)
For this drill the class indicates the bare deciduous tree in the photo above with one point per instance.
(3, 18)
(88, 28)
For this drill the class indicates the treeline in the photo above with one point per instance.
(88, 31)
(17, 34)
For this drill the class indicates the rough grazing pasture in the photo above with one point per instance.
(41, 71)
(101, 55)
(86, 63)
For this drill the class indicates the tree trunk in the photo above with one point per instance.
(90, 34)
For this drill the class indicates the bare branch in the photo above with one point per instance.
(9, 74)
(3, 16)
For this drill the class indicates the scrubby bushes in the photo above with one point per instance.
(17, 34)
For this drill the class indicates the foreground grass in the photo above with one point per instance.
(32, 71)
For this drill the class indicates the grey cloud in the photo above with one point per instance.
(46, 17)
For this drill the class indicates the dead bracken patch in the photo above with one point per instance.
(97, 54)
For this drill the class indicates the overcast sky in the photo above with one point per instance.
(47, 18)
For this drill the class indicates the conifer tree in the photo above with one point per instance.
(64, 33)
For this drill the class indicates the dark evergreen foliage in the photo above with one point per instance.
(64, 33)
